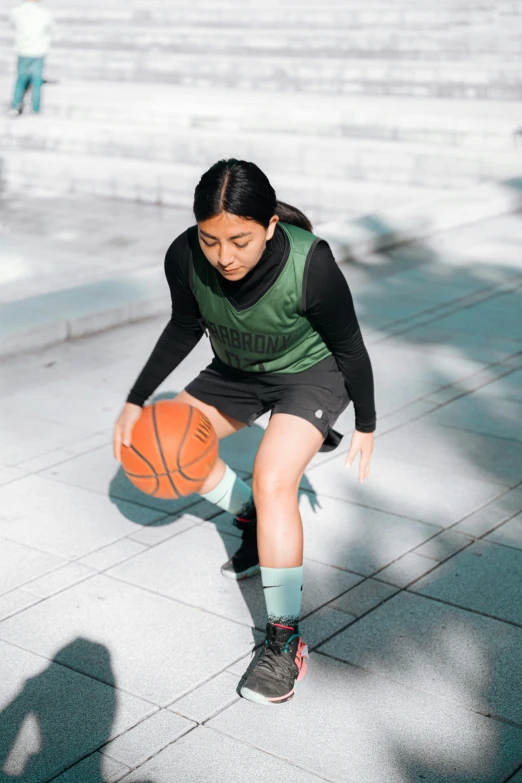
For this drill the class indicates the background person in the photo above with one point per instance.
(33, 27)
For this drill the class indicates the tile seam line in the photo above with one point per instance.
(510, 778)
(142, 760)
(177, 601)
(451, 311)
(374, 508)
(461, 706)
(408, 589)
(276, 756)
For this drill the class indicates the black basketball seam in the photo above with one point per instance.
(214, 439)
(180, 469)
(158, 442)
(182, 440)
(151, 466)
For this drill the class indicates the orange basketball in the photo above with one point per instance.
(173, 449)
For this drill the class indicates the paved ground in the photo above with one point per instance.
(121, 646)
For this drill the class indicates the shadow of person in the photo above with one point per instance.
(58, 717)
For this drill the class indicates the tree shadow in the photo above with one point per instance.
(447, 327)
(60, 716)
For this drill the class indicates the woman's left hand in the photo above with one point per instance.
(361, 442)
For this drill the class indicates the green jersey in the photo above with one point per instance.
(273, 335)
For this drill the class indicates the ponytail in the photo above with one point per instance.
(288, 214)
(242, 189)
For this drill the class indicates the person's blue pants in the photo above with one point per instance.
(30, 71)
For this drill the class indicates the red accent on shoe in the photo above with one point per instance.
(288, 627)
(243, 520)
(283, 698)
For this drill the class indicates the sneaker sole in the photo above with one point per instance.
(253, 571)
(246, 693)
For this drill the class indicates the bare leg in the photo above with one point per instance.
(288, 445)
(223, 425)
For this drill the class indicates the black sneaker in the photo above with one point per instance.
(281, 665)
(245, 562)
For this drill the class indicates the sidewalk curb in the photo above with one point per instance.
(49, 319)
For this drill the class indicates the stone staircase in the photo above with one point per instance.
(348, 106)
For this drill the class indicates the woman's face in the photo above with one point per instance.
(232, 244)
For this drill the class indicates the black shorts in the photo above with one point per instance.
(317, 395)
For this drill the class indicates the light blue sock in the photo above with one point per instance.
(283, 589)
(232, 494)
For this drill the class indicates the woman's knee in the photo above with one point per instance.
(272, 483)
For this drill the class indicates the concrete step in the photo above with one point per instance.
(481, 78)
(456, 42)
(172, 184)
(290, 154)
(295, 17)
(469, 124)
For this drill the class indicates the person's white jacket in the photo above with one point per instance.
(33, 29)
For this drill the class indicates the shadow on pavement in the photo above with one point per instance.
(58, 717)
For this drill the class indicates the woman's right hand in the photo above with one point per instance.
(124, 426)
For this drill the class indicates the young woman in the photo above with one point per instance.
(285, 337)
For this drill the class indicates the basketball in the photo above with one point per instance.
(173, 449)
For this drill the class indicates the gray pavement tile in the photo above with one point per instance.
(492, 515)
(11, 474)
(477, 456)
(84, 445)
(435, 648)
(349, 725)
(319, 625)
(187, 568)
(167, 527)
(96, 768)
(485, 577)
(24, 436)
(471, 345)
(51, 716)
(239, 667)
(206, 756)
(441, 365)
(359, 539)
(364, 597)
(15, 601)
(110, 555)
(209, 699)
(492, 416)
(19, 564)
(510, 533)
(509, 387)
(415, 491)
(66, 520)
(443, 545)
(66, 576)
(60, 402)
(43, 461)
(145, 740)
(99, 472)
(406, 569)
(499, 315)
(157, 662)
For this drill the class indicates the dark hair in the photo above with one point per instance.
(241, 188)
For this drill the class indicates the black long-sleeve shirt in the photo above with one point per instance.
(328, 305)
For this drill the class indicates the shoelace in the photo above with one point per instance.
(267, 661)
